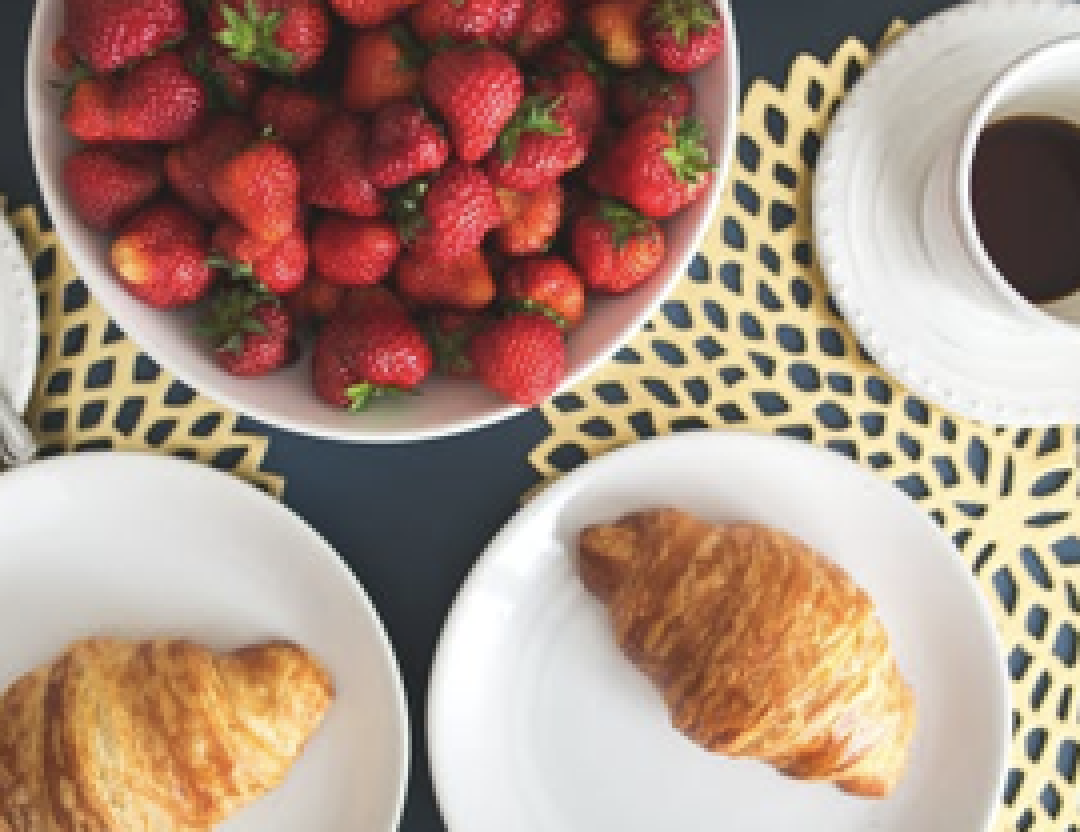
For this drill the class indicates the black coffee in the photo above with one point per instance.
(1025, 193)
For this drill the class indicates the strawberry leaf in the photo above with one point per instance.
(625, 222)
(251, 37)
(528, 306)
(683, 17)
(407, 208)
(229, 319)
(688, 154)
(535, 115)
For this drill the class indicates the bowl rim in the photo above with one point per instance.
(88, 270)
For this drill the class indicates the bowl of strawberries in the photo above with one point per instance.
(306, 208)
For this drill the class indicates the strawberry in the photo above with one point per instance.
(450, 331)
(107, 185)
(545, 21)
(160, 255)
(651, 91)
(251, 335)
(258, 187)
(450, 217)
(461, 20)
(370, 12)
(466, 283)
(333, 169)
(658, 165)
(549, 286)
(109, 34)
(282, 36)
(509, 21)
(293, 115)
(368, 349)
(540, 144)
(523, 358)
(405, 144)
(354, 252)
(531, 219)
(188, 166)
(229, 85)
(315, 301)
(581, 94)
(616, 25)
(160, 100)
(616, 248)
(683, 35)
(384, 64)
(280, 267)
(477, 91)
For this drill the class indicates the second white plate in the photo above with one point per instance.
(537, 723)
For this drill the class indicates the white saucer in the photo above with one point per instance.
(141, 547)
(18, 321)
(537, 722)
(868, 220)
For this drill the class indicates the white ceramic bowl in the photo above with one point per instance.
(286, 399)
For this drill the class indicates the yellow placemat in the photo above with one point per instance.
(96, 391)
(753, 341)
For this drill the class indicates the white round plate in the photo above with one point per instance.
(537, 723)
(285, 399)
(868, 200)
(18, 321)
(141, 547)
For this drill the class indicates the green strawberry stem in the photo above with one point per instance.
(407, 208)
(413, 53)
(450, 348)
(688, 155)
(229, 319)
(250, 37)
(79, 73)
(625, 222)
(362, 396)
(528, 306)
(683, 17)
(535, 115)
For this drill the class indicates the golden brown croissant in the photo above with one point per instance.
(167, 736)
(762, 647)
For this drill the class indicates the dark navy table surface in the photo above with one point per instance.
(411, 520)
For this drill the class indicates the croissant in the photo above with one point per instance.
(762, 647)
(115, 736)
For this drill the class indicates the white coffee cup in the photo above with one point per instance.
(1044, 82)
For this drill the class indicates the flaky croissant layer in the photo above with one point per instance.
(157, 736)
(762, 647)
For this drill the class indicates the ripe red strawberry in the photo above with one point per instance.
(315, 301)
(531, 219)
(466, 283)
(280, 267)
(160, 255)
(251, 335)
(523, 358)
(405, 144)
(188, 166)
(616, 25)
(509, 21)
(354, 252)
(333, 169)
(462, 20)
(282, 36)
(616, 248)
(370, 12)
(650, 91)
(546, 21)
(108, 184)
(658, 165)
(229, 85)
(384, 64)
(683, 35)
(294, 115)
(258, 187)
(549, 286)
(368, 349)
(160, 100)
(109, 34)
(541, 143)
(477, 91)
(456, 212)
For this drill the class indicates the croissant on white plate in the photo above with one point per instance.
(168, 736)
(762, 647)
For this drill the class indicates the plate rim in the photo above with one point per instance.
(14, 261)
(556, 493)
(170, 468)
